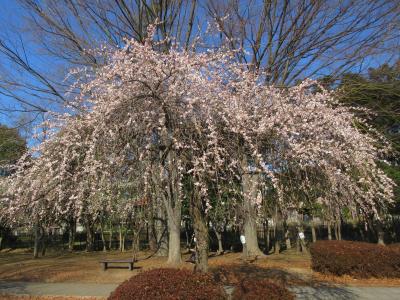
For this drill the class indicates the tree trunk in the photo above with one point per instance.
(1, 242)
(313, 232)
(103, 238)
(121, 238)
(187, 236)
(174, 242)
(250, 192)
(201, 234)
(43, 243)
(278, 231)
(298, 246)
(329, 231)
(37, 238)
(71, 234)
(339, 228)
(89, 236)
(336, 230)
(380, 233)
(161, 232)
(111, 236)
(302, 242)
(151, 234)
(135, 243)
(287, 237)
(219, 238)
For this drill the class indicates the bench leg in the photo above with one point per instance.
(104, 266)
(130, 266)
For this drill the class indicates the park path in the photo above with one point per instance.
(321, 292)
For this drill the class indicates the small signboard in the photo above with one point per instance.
(242, 239)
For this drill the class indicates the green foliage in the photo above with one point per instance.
(378, 91)
(12, 145)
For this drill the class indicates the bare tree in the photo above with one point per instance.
(62, 34)
(293, 39)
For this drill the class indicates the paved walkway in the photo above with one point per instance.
(346, 293)
(103, 290)
(57, 289)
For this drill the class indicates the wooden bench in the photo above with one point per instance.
(105, 263)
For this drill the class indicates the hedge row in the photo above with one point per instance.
(169, 284)
(357, 259)
(175, 284)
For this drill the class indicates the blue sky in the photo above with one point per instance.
(13, 30)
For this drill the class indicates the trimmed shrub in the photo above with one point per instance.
(261, 289)
(169, 284)
(357, 259)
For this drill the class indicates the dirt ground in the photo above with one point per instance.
(289, 267)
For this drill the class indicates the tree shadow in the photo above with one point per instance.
(303, 286)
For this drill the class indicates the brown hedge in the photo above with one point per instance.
(261, 289)
(357, 259)
(169, 284)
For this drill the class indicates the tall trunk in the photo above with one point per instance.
(218, 234)
(187, 236)
(201, 233)
(250, 191)
(161, 232)
(174, 243)
(380, 233)
(287, 236)
(1, 242)
(135, 243)
(121, 238)
(302, 242)
(151, 234)
(298, 246)
(71, 234)
(266, 236)
(111, 236)
(287, 240)
(339, 228)
(313, 232)
(329, 230)
(43, 241)
(169, 188)
(89, 236)
(173, 206)
(268, 239)
(103, 238)
(335, 230)
(36, 244)
(278, 231)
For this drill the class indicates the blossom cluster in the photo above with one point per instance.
(194, 124)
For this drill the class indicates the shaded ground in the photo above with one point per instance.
(101, 291)
(57, 289)
(85, 268)
(80, 274)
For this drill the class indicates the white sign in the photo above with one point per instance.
(243, 239)
(301, 235)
